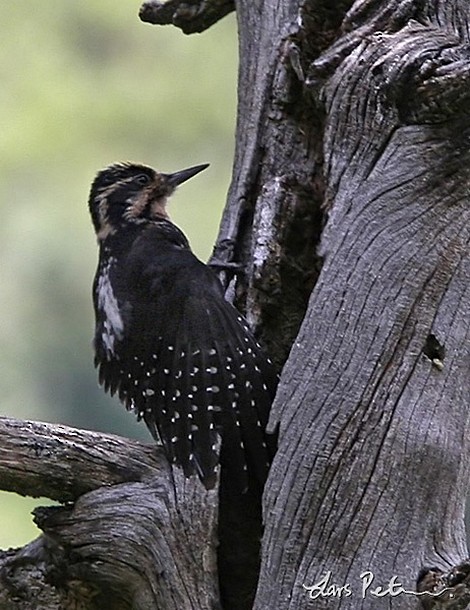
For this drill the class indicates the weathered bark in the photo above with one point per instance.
(272, 221)
(132, 533)
(366, 111)
(373, 464)
(351, 178)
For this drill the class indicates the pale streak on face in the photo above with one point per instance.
(158, 208)
(137, 204)
(140, 202)
(105, 226)
(157, 200)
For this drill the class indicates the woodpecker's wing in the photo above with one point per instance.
(212, 378)
(192, 369)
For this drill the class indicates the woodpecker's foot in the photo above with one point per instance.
(220, 265)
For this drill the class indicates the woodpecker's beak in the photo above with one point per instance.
(185, 174)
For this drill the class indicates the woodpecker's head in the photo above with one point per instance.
(131, 193)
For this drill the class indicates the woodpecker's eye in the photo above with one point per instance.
(143, 179)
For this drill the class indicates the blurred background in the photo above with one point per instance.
(85, 84)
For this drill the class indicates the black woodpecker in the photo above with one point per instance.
(166, 341)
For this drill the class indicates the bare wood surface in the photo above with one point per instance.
(352, 135)
(137, 534)
(373, 464)
(273, 218)
(62, 463)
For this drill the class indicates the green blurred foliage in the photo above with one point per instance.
(84, 84)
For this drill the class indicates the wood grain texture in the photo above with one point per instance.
(62, 463)
(131, 534)
(373, 465)
(272, 221)
(352, 178)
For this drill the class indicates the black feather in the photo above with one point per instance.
(179, 355)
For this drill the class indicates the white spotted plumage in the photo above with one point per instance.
(176, 353)
(112, 327)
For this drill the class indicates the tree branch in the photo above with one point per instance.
(190, 15)
(138, 535)
(62, 463)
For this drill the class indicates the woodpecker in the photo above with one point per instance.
(166, 341)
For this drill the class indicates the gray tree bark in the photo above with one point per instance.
(349, 214)
(130, 531)
(372, 468)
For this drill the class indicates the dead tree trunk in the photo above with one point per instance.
(349, 214)
(131, 533)
(371, 107)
